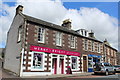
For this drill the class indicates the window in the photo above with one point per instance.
(72, 42)
(19, 34)
(86, 44)
(58, 38)
(92, 45)
(37, 62)
(41, 34)
(98, 47)
(90, 60)
(74, 63)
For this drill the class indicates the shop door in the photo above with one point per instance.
(85, 63)
(62, 66)
(54, 65)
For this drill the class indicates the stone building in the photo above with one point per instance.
(36, 47)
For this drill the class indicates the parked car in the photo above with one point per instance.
(117, 68)
(105, 68)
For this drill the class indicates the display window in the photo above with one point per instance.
(74, 64)
(38, 61)
(90, 62)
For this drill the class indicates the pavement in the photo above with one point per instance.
(61, 75)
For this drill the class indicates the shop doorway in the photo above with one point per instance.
(54, 65)
(84, 63)
(57, 64)
(61, 65)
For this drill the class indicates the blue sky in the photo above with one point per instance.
(107, 7)
(110, 8)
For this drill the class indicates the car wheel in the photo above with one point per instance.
(106, 73)
(114, 72)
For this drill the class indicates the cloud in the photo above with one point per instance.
(104, 25)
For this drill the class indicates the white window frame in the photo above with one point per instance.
(58, 38)
(42, 61)
(99, 47)
(72, 41)
(19, 34)
(77, 63)
(92, 46)
(43, 34)
(86, 44)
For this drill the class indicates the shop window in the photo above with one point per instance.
(74, 63)
(38, 62)
(72, 42)
(90, 62)
(58, 38)
(41, 34)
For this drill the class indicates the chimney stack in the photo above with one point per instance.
(67, 23)
(19, 9)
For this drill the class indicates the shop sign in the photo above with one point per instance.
(56, 51)
(90, 55)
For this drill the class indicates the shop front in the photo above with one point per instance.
(52, 61)
(92, 59)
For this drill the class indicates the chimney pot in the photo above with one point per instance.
(19, 9)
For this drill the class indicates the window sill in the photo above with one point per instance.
(41, 42)
(37, 69)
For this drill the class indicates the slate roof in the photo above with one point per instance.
(57, 27)
(54, 26)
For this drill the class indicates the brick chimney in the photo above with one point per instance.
(19, 9)
(67, 23)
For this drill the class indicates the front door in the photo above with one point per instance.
(61, 66)
(54, 65)
(85, 63)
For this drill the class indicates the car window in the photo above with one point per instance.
(106, 64)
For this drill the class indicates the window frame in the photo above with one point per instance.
(76, 62)
(92, 46)
(19, 34)
(72, 41)
(43, 34)
(59, 38)
(43, 61)
(86, 44)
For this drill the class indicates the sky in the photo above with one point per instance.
(101, 17)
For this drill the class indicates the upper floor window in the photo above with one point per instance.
(58, 38)
(98, 47)
(72, 41)
(19, 34)
(92, 46)
(41, 34)
(86, 44)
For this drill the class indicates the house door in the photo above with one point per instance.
(54, 65)
(85, 63)
(61, 66)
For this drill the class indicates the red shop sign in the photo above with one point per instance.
(56, 51)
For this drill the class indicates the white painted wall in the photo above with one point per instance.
(13, 49)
